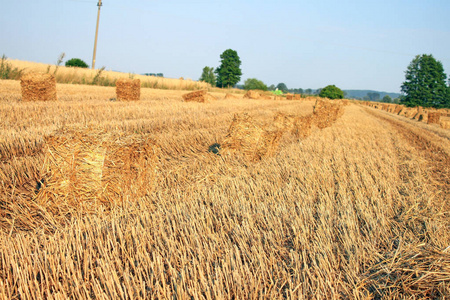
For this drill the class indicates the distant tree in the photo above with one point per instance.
(76, 62)
(308, 91)
(229, 72)
(254, 84)
(373, 96)
(271, 87)
(282, 87)
(425, 83)
(208, 76)
(317, 92)
(300, 91)
(332, 92)
(387, 99)
(396, 100)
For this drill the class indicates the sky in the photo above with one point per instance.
(364, 44)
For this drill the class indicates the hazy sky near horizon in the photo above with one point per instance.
(364, 44)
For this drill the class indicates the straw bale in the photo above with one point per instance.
(278, 98)
(251, 139)
(297, 97)
(230, 96)
(433, 117)
(266, 97)
(128, 89)
(445, 123)
(289, 97)
(85, 168)
(198, 96)
(283, 121)
(326, 113)
(252, 94)
(38, 87)
(422, 117)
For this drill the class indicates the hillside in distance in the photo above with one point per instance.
(362, 93)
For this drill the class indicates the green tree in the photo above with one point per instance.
(332, 92)
(208, 76)
(229, 72)
(425, 83)
(308, 91)
(282, 87)
(254, 84)
(76, 62)
(387, 99)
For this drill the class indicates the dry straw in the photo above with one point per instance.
(289, 97)
(300, 126)
(252, 94)
(198, 96)
(230, 96)
(433, 117)
(128, 89)
(86, 168)
(326, 113)
(38, 87)
(251, 139)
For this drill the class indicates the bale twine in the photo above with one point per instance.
(128, 89)
(433, 117)
(251, 139)
(86, 168)
(198, 96)
(230, 96)
(38, 87)
(326, 113)
(252, 94)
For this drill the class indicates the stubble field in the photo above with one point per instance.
(356, 210)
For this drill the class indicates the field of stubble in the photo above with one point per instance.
(356, 210)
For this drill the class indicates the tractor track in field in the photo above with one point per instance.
(436, 156)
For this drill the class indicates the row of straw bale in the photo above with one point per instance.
(42, 87)
(429, 116)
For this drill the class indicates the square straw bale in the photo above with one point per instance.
(289, 97)
(302, 126)
(86, 168)
(445, 123)
(297, 97)
(198, 96)
(283, 121)
(433, 117)
(230, 96)
(128, 89)
(326, 113)
(251, 139)
(252, 94)
(38, 87)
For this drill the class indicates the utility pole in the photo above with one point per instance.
(99, 4)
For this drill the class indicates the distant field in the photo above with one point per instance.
(107, 78)
(356, 210)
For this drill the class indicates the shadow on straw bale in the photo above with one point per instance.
(433, 117)
(251, 139)
(128, 89)
(88, 168)
(38, 87)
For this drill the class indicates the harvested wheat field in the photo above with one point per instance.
(358, 209)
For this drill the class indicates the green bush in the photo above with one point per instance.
(76, 62)
(331, 92)
(254, 84)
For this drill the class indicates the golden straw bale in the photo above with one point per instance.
(433, 117)
(230, 96)
(283, 121)
(297, 97)
(38, 87)
(251, 139)
(398, 109)
(445, 122)
(198, 96)
(326, 113)
(289, 97)
(85, 168)
(252, 94)
(128, 89)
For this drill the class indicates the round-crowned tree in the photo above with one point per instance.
(76, 62)
(229, 72)
(332, 92)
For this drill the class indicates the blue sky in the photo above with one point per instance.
(308, 44)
